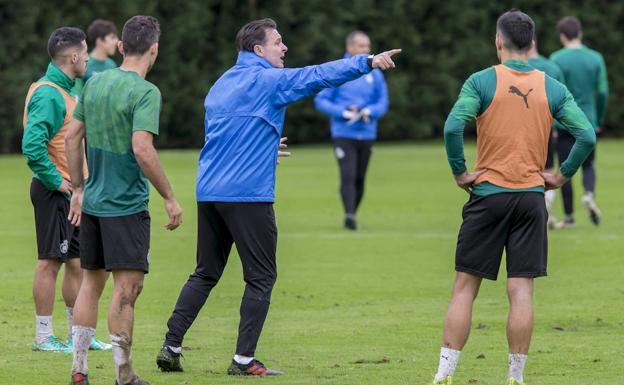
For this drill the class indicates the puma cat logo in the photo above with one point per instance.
(515, 90)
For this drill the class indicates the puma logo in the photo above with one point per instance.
(515, 90)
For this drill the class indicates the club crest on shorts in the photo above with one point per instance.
(64, 246)
(369, 79)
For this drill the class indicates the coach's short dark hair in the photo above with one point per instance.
(253, 33)
(99, 29)
(517, 29)
(139, 33)
(63, 39)
(570, 26)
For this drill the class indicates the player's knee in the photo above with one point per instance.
(130, 289)
(48, 267)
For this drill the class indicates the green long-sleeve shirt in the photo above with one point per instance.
(46, 114)
(547, 66)
(585, 75)
(476, 96)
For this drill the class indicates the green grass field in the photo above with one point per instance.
(348, 308)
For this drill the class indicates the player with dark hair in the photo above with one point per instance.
(102, 39)
(119, 117)
(47, 113)
(514, 106)
(585, 76)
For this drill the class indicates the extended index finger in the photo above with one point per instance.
(393, 52)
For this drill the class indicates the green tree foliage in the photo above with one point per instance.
(443, 43)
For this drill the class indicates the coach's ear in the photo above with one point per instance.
(120, 47)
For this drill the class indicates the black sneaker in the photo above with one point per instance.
(135, 381)
(254, 368)
(79, 379)
(350, 223)
(168, 360)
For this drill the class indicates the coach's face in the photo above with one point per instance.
(273, 49)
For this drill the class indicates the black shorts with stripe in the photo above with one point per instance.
(514, 222)
(57, 238)
(115, 243)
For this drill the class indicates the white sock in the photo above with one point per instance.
(43, 326)
(175, 349)
(122, 352)
(70, 321)
(243, 360)
(81, 337)
(448, 363)
(516, 367)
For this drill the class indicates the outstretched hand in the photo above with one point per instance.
(384, 60)
(467, 179)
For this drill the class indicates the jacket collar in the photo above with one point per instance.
(246, 58)
(55, 75)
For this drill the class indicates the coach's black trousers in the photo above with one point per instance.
(251, 226)
(352, 156)
(565, 141)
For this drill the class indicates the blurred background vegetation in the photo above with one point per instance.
(443, 42)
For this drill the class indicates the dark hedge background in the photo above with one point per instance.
(443, 42)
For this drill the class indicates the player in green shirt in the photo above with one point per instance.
(118, 114)
(543, 64)
(102, 36)
(585, 76)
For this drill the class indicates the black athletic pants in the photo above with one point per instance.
(353, 156)
(251, 226)
(565, 141)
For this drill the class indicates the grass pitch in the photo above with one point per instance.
(348, 308)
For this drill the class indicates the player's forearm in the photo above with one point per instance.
(328, 108)
(148, 160)
(583, 146)
(454, 144)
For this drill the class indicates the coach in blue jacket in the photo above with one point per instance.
(354, 109)
(236, 180)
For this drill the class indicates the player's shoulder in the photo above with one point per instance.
(593, 53)
(47, 94)
(147, 89)
(482, 77)
(558, 54)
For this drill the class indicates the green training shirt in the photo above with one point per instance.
(475, 97)
(46, 114)
(585, 75)
(114, 105)
(548, 66)
(94, 67)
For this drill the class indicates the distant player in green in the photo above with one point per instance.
(119, 116)
(539, 62)
(514, 106)
(102, 39)
(585, 76)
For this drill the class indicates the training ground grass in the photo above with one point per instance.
(348, 308)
